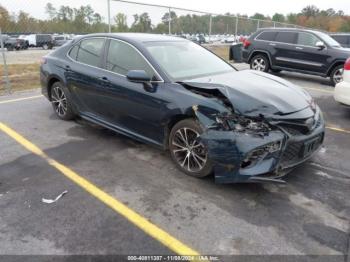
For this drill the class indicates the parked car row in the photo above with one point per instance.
(45, 41)
(297, 50)
(206, 39)
(13, 43)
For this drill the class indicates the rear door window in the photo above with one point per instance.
(90, 51)
(307, 39)
(267, 36)
(287, 37)
(122, 57)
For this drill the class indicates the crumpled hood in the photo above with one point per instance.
(253, 93)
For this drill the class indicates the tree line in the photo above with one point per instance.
(64, 19)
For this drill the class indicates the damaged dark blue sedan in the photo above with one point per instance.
(243, 126)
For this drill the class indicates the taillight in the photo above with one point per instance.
(246, 43)
(347, 64)
(43, 60)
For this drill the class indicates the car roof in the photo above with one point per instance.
(136, 37)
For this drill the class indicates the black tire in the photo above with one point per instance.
(260, 62)
(63, 108)
(276, 71)
(9, 48)
(334, 76)
(194, 166)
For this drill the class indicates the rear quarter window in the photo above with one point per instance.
(267, 36)
(73, 52)
(287, 37)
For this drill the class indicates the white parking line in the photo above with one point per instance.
(20, 99)
(319, 90)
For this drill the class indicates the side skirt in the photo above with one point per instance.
(121, 130)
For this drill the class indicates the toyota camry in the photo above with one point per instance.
(241, 126)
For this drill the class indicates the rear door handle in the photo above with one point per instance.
(67, 67)
(299, 48)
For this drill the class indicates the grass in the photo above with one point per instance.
(220, 50)
(26, 76)
(21, 76)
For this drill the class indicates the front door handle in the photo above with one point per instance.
(299, 48)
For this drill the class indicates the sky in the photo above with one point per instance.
(36, 8)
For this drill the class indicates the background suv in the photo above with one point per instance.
(303, 51)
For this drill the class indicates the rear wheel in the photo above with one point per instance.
(61, 102)
(337, 75)
(189, 154)
(260, 63)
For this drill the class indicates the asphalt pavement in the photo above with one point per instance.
(309, 215)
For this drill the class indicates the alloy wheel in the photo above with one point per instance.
(259, 64)
(59, 101)
(188, 151)
(338, 76)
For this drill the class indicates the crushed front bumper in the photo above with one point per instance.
(229, 152)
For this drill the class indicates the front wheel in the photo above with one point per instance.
(260, 63)
(337, 75)
(189, 154)
(61, 102)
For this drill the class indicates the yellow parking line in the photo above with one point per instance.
(141, 222)
(320, 90)
(338, 129)
(19, 99)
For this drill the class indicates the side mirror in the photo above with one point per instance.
(320, 45)
(138, 76)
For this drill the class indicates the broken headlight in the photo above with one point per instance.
(243, 124)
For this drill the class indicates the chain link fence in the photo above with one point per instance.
(25, 39)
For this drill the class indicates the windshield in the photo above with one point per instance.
(329, 40)
(185, 60)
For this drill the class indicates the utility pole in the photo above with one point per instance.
(210, 27)
(236, 28)
(169, 21)
(109, 15)
(6, 73)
